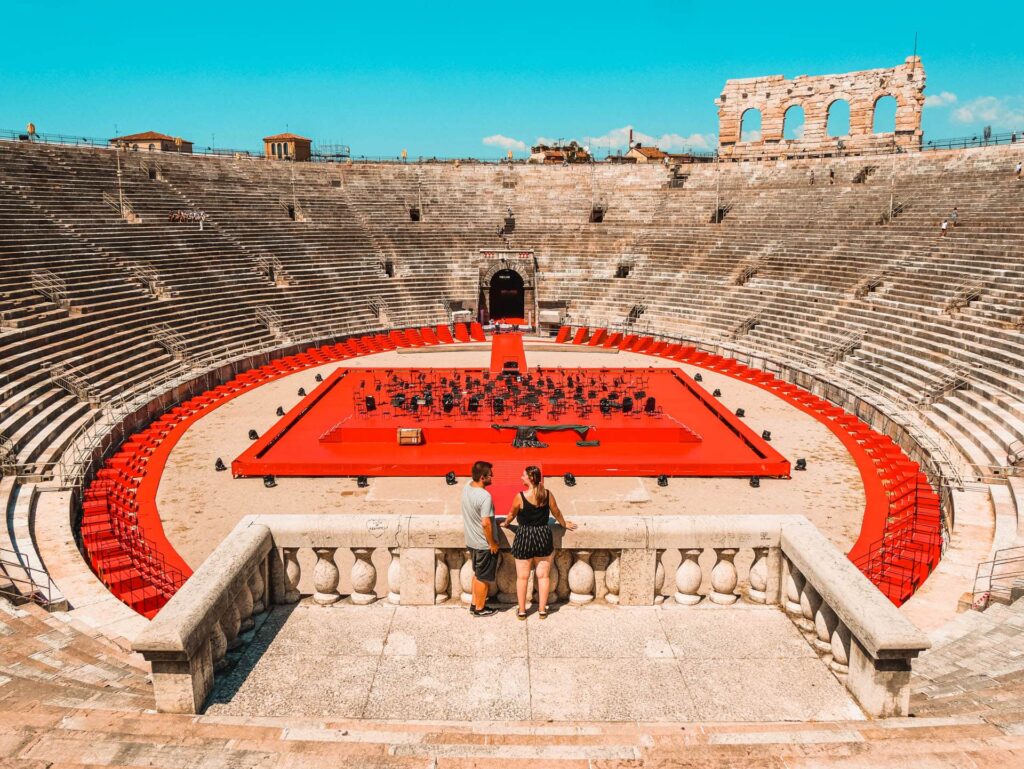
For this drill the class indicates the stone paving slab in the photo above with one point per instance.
(590, 663)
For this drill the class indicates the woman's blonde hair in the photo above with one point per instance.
(537, 479)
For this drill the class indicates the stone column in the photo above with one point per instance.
(454, 559)
(659, 576)
(688, 577)
(825, 621)
(881, 686)
(723, 577)
(563, 562)
(466, 578)
(325, 577)
(792, 584)
(758, 576)
(506, 579)
(256, 586)
(395, 576)
(218, 647)
(440, 577)
(364, 577)
(809, 603)
(292, 574)
(599, 560)
(231, 624)
(611, 577)
(243, 600)
(581, 579)
(840, 649)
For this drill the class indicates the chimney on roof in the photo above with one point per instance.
(630, 138)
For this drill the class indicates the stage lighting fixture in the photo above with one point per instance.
(741, 413)
(302, 392)
(269, 482)
(717, 393)
(801, 464)
(663, 480)
(697, 377)
(450, 478)
(219, 465)
(570, 479)
(253, 435)
(755, 482)
(319, 377)
(766, 434)
(280, 411)
(362, 481)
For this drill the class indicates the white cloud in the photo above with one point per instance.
(755, 136)
(1006, 113)
(505, 142)
(619, 138)
(943, 99)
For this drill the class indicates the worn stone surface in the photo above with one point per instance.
(773, 95)
(593, 662)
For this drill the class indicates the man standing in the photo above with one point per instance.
(481, 530)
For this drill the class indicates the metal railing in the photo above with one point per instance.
(35, 586)
(995, 578)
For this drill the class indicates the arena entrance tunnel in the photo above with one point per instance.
(507, 295)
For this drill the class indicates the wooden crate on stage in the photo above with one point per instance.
(410, 436)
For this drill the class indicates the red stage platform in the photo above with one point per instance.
(348, 425)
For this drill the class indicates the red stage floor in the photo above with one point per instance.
(687, 432)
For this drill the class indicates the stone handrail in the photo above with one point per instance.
(614, 559)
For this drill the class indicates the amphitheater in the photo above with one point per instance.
(157, 611)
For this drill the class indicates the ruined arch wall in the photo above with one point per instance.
(774, 94)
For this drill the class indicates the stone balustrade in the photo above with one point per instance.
(628, 561)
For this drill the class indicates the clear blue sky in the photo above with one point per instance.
(438, 78)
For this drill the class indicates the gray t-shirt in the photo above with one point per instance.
(476, 505)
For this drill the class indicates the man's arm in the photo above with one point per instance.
(487, 519)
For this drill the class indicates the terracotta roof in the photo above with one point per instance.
(148, 136)
(285, 138)
(650, 152)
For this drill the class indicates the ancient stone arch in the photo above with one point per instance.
(523, 263)
(774, 94)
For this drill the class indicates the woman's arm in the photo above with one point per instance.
(567, 525)
(517, 505)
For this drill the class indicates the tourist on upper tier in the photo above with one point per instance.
(481, 535)
(945, 226)
(811, 177)
(534, 547)
(1020, 168)
(831, 176)
(954, 217)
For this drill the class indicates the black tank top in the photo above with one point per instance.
(534, 515)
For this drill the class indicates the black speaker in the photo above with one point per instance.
(370, 402)
(219, 465)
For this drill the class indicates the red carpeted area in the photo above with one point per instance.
(630, 421)
(507, 353)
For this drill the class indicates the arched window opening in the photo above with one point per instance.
(839, 118)
(152, 147)
(507, 295)
(750, 125)
(884, 120)
(793, 123)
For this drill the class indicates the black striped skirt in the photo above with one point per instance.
(533, 542)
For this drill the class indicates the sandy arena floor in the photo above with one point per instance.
(199, 506)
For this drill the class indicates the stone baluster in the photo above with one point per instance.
(243, 600)
(364, 577)
(581, 578)
(809, 603)
(599, 560)
(758, 576)
(792, 583)
(689, 577)
(395, 575)
(506, 579)
(723, 577)
(659, 577)
(611, 577)
(455, 559)
(563, 562)
(256, 585)
(325, 577)
(825, 621)
(466, 578)
(840, 650)
(231, 624)
(441, 585)
(218, 647)
(292, 574)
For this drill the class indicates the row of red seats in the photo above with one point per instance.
(120, 526)
(901, 534)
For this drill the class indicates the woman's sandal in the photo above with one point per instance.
(543, 613)
(521, 615)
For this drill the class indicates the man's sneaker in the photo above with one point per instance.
(487, 611)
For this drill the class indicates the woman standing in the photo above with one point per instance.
(534, 547)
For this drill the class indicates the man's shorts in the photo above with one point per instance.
(485, 564)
